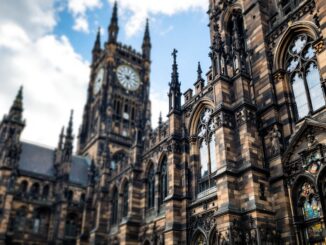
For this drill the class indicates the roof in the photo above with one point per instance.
(39, 160)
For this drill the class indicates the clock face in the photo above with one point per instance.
(128, 77)
(98, 81)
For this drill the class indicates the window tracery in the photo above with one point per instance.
(151, 188)
(125, 200)
(301, 66)
(206, 140)
(114, 210)
(163, 181)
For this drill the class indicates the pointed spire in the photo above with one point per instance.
(61, 137)
(16, 109)
(160, 120)
(199, 72)
(174, 93)
(147, 42)
(114, 28)
(175, 75)
(68, 145)
(97, 44)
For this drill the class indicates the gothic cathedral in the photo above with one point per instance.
(242, 160)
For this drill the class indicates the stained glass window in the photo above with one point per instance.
(200, 240)
(304, 76)
(310, 209)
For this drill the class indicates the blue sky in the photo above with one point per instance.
(46, 46)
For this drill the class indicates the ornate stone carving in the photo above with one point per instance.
(206, 222)
(245, 115)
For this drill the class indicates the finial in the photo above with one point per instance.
(174, 54)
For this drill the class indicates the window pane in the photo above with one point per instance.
(313, 80)
(300, 95)
(299, 44)
(309, 53)
(204, 159)
(213, 155)
(293, 64)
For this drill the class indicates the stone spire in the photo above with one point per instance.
(69, 140)
(113, 27)
(199, 72)
(174, 93)
(97, 45)
(11, 128)
(146, 47)
(16, 110)
(160, 123)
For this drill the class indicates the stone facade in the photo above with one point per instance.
(241, 161)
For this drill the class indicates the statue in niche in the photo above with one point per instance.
(275, 141)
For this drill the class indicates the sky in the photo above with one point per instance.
(45, 46)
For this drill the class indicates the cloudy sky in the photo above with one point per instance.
(45, 45)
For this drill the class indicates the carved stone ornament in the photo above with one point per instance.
(205, 221)
(319, 46)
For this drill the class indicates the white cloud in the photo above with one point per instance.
(81, 24)
(54, 76)
(141, 9)
(78, 8)
(160, 104)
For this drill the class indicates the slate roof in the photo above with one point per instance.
(39, 160)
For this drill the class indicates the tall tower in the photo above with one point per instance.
(118, 94)
(115, 114)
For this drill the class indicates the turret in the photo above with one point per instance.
(174, 92)
(147, 46)
(11, 128)
(113, 27)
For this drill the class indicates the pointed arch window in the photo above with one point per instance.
(71, 225)
(125, 200)
(163, 180)
(206, 141)
(303, 73)
(114, 210)
(151, 188)
(309, 207)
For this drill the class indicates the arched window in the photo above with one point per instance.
(125, 200)
(20, 219)
(114, 210)
(71, 226)
(206, 141)
(70, 196)
(23, 187)
(45, 192)
(303, 73)
(35, 190)
(82, 199)
(163, 180)
(309, 207)
(200, 239)
(151, 188)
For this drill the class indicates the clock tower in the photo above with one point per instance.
(118, 104)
